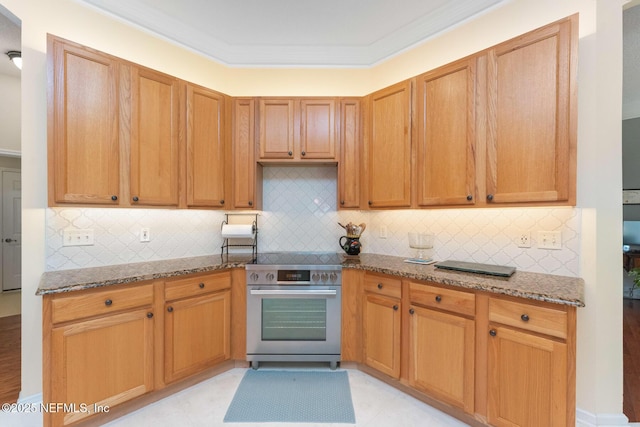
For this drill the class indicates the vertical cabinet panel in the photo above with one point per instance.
(277, 128)
(381, 333)
(245, 188)
(531, 137)
(446, 135)
(84, 151)
(154, 138)
(317, 129)
(349, 165)
(206, 148)
(389, 147)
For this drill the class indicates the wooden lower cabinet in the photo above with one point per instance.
(381, 333)
(197, 334)
(441, 356)
(99, 363)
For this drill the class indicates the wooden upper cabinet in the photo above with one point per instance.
(317, 129)
(447, 135)
(154, 138)
(84, 151)
(350, 163)
(246, 191)
(206, 147)
(531, 116)
(389, 147)
(277, 128)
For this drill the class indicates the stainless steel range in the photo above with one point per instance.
(294, 308)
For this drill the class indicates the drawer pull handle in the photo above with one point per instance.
(170, 309)
(135, 198)
(525, 317)
(108, 302)
(149, 315)
(114, 198)
(395, 307)
(438, 298)
(411, 311)
(493, 332)
(379, 285)
(201, 285)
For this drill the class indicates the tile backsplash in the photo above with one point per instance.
(299, 214)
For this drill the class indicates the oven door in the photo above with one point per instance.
(293, 320)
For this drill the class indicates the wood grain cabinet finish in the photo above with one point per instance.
(318, 129)
(531, 116)
(247, 176)
(388, 147)
(83, 142)
(206, 148)
(99, 360)
(277, 128)
(154, 138)
(531, 375)
(446, 125)
(350, 161)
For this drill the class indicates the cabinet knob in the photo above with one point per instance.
(201, 285)
(114, 198)
(304, 153)
(493, 332)
(525, 317)
(370, 203)
(379, 285)
(290, 153)
(395, 307)
(250, 203)
(438, 298)
(342, 202)
(108, 302)
(135, 198)
(170, 309)
(489, 197)
(149, 315)
(222, 202)
(411, 311)
(469, 197)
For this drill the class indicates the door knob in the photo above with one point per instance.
(10, 240)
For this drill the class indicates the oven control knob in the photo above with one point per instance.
(324, 277)
(270, 277)
(315, 277)
(333, 277)
(254, 277)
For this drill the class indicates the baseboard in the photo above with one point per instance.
(588, 419)
(34, 399)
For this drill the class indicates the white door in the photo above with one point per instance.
(11, 231)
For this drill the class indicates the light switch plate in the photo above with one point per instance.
(549, 239)
(77, 237)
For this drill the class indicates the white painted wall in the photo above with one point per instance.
(599, 357)
(9, 114)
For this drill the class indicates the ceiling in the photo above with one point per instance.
(295, 33)
(10, 39)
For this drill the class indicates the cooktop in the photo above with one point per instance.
(297, 259)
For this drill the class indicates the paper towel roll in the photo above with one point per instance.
(238, 231)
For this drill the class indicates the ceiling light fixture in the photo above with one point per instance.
(16, 57)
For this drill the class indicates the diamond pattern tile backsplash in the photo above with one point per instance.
(299, 214)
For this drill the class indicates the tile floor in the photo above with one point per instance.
(375, 403)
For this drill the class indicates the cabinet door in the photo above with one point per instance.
(446, 135)
(527, 379)
(244, 158)
(317, 129)
(84, 161)
(154, 138)
(101, 362)
(381, 330)
(441, 356)
(350, 148)
(531, 117)
(197, 334)
(206, 148)
(389, 147)
(277, 128)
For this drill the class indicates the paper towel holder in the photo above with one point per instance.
(253, 244)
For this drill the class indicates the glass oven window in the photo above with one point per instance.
(294, 319)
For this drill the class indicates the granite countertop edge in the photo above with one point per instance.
(556, 289)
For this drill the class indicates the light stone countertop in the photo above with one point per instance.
(536, 286)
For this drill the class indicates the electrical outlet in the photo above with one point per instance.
(144, 235)
(384, 233)
(524, 239)
(77, 237)
(549, 239)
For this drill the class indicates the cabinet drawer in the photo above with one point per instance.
(199, 285)
(95, 303)
(533, 318)
(444, 299)
(383, 285)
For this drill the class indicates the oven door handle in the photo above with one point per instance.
(284, 292)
